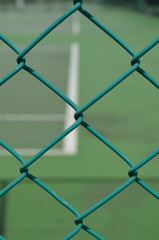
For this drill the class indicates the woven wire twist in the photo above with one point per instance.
(24, 170)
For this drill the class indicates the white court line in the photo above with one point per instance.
(31, 117)
(33, 151)
(70, 142)
(76, 23)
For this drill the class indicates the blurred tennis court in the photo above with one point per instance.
(31, 116)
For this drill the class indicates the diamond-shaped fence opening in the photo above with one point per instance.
(134, 169)
(123, 114)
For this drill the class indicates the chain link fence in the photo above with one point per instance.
(79, 119)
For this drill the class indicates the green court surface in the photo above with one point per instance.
(127, 116)
(34, 111)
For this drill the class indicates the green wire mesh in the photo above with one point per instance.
(24, 170)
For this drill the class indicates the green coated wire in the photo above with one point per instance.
(24, 169)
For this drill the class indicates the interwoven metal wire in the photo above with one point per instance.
(24, 170)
